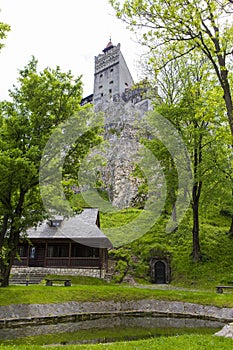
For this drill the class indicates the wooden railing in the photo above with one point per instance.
(21, 262)
(72, 262)
(62, 262)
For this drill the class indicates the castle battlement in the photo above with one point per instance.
(107, 59)
(113, 80)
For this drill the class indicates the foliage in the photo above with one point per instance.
(186, 39)
(123, 217)
(40, 103)
(120, 271)
(166, 163)
(195, 107)
(217, 247)
(4, 28)
(77, 200)
(124, 260)
(176, 29)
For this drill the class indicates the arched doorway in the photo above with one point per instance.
(160, 272)
(160, 269)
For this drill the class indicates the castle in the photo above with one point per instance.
(77, 246)
(113, 80)
(123, 103)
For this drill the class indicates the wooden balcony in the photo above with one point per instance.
(73, 262)
(61, 262)
(22, 262)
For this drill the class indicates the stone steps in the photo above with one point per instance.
(24, 278)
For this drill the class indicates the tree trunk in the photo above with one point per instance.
(5, 275)
(3, 231)
(196, 253)
(230, 232)
(173, 188)
(227, 96)
(229, 107)
(196, 193)
(9, 261)
(12, 242)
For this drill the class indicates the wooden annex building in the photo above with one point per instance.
(67, 245)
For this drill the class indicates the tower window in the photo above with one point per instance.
(55, 222)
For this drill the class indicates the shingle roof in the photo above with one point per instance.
(81, 228)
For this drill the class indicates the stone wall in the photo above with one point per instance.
(89, 272)
(18, 315)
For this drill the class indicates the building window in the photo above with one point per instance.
(58, 251)
(110, 91)
(111, 82)
(56, 223)
(101, 75)
(22, 250)
(101, 94)
(33, 253)
(79, 250)
(100, 87)
(111, 70)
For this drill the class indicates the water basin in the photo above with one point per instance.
(107, 329)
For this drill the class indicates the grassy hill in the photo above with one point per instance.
(134, 248)
(216, 247)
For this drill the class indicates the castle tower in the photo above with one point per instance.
(114, 83)
(112, 76)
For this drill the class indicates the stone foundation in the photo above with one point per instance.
(89, 272)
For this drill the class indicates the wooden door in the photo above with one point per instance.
(160, 273)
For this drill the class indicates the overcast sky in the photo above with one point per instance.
(67, 33)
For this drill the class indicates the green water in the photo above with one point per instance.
(107, 330)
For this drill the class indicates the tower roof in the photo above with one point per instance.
(109, 46)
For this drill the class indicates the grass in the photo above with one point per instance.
(40, 294)
(189, 342)
(199, 280)
(104, 335)
(216, 248)
(79, 280)
(119, 218)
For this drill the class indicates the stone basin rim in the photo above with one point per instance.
(29, 314)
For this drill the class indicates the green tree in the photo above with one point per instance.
(196, 111)
(172, 30)
(40, 103)
(180, 27)
(4, 28)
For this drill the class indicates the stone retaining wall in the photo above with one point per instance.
(18, 315)
(89, 272)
